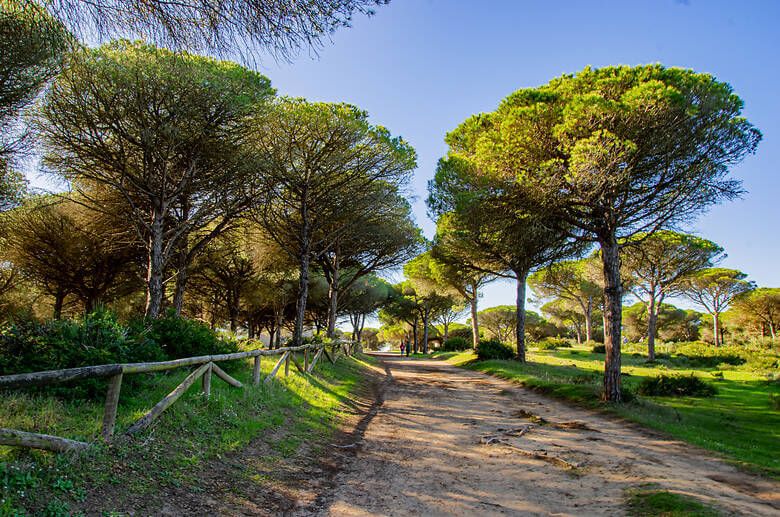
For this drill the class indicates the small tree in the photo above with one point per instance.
(451, 267)
(63, 248)
(761, 305)
(658, 264)
(499, 322)
(571, 280)
(490, 236)
(714, 289)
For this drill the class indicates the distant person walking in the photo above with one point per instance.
(402, 349)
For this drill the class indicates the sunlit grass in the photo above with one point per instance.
(287, 413)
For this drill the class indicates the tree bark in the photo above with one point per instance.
(522, 276)
(414, 334)
(182, 275)
(716, 328)
(589, 319)
(651, 322)
(333, 292)
(59, 300)
(303, 285)
(154, 285)
(425, 333)
(613, 299)
(474, 322)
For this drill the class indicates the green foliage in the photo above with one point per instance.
(96, 338)
(599, 349)
(493, 349)
(675, 386)
(456, 344)
(654, 503)
(553, 343)
(181, 337)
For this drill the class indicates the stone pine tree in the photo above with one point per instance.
(658, 265)
(762, 306)
(280, 27)
(490, 235)
(378, 234)
(161, 131)
(34, 50)
(613, 152)
(318, 160)
(451, 267)
(714, 289)
(572, 281)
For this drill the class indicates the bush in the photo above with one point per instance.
(181, 337)
(599, 349)
(455, 344)
(553, 343)
(462, 332)
(94, 339)
(493, 349)
(675, 386)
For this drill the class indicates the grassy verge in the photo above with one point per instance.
(742, 421)
(655, 503)
(195, 429)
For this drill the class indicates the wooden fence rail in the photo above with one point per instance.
(206, 367)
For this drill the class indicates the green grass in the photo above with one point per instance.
(741, 421)
(286, 413)
(662, 503)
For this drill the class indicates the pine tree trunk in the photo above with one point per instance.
(520, 316)
(589, 319)
(610, 258)
(772, 329)
(651, 322)
(59, 300)
(333, 294)
(425, 334)
(414, 335)
(154, 285)
(474, 322)
(716, 328)
(182, 275)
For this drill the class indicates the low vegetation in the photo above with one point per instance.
(726, 408)
(287, 415)
(648, 502)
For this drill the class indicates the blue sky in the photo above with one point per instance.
(420, 67)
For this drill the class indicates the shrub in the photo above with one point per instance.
(455, 344)
(493, 349)
(599, 349)
(181, 337)
(94, 339)
(553, 343)
(675, 386)
(463, 332)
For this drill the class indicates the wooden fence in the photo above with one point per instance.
(207, 367)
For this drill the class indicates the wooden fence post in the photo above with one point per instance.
(287, 364)
(112, 401)
(306, 360)
(151, 415)
(207, 382)
(256, 371)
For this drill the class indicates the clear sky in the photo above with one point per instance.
(420, 67)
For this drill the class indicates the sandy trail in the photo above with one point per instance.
(423, 453)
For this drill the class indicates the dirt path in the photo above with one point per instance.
(436, 446)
